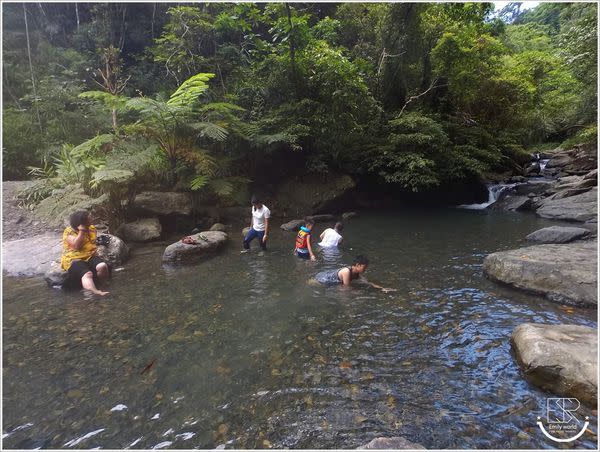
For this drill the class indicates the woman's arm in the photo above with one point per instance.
(312, 255)
(77, 242)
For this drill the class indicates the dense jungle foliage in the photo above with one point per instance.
(216, 97)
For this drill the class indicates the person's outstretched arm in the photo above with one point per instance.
(266, 230)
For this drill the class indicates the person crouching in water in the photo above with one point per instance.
(345, 275)
(259, 228)
(331, 237)
(303, 248)
(79, 256)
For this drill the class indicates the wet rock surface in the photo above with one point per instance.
(142, 230)
(565, 273)
(557, 234)
(292, 225)
(31, 256)
(394, 442)
(562, 359)
(206, 242)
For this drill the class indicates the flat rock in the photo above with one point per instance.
(565, 273)
(31, 256)
(320, 218)
(348, 215)
(562, 359)
(293, 225)
(163, 203)
(533, 186)
(180, 252)
(142, 230)
(395, 442)
(557, 234)
(582, 207)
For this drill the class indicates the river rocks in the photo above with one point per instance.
(115, 252)
(536, 186)
(533, 169)
(562, 359)
(207, 242)
(582, 207)
(163, 203)
(142, 230)
(579, 160)
(218, 227)
(321, 218)
(55, 276)
(565, 273)
(31, 256)
(348, 215)
(512, 203)
(395, 442)
(292, 225)
(557, 234)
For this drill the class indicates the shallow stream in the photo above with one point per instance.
(240, 351)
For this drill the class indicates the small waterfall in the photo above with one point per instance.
(494, 192)
(543, 164)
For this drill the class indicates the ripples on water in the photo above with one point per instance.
(240, 352)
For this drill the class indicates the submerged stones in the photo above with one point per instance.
(562, 272)
(557, 234)
(562, 359)
(394, 442)
(207, 242)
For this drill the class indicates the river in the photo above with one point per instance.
(239, 351)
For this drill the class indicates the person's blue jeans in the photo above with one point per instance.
(251, 235)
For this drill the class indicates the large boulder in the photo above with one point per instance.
(218, 227)
(512, 203)
(142, 230)
(322, 218)
(115, 252)
(313, 193)
(536, 186)
(557, 234)
(579, 160)
(582, 207)
(207, 242)
(163, 203)
(566, 273)
(31, 256)
(292, 225)
(395, 442)
(562, 359)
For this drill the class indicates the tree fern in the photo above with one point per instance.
(190, 90)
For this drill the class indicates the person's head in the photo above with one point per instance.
(339, 227)
(80, 217)
(256, 202)
(309, 223)
(360, 264)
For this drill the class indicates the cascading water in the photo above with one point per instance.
(543, 164)
(494, 192)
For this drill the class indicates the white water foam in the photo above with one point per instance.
(494, 192)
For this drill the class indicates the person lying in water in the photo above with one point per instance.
(346, 275)
(85, 268)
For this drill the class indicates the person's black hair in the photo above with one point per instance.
(77, 218)
(255, 199)
(339, 226)
(361, 260)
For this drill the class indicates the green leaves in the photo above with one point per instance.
(190, 90)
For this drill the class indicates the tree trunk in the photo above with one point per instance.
(77, 15)
(114, 118)
(292, 47)
(35, 98)
(153, 14)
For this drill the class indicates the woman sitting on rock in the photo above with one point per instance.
(79, 256)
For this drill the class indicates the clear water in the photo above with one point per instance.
(247, 354)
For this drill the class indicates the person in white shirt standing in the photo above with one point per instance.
(259, 228)
(331, 237)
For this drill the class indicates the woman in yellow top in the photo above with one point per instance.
(79, 256)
